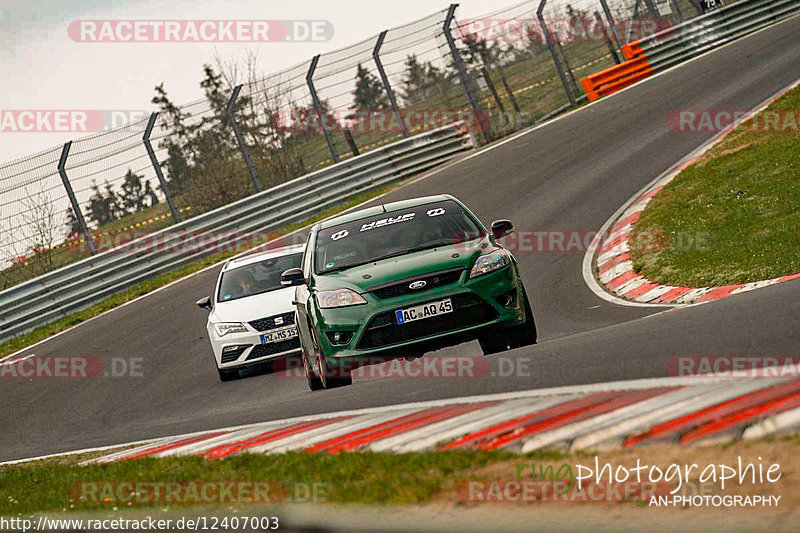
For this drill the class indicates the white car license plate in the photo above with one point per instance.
(421, 312)
(279, 335)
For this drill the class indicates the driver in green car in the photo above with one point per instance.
(403, 279)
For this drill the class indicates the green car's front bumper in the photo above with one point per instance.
(493, 300)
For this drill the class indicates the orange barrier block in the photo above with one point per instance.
(613, 79)
(632, 49)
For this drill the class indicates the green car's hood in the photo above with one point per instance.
(462, 255)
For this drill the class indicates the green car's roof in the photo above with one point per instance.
(377, 210)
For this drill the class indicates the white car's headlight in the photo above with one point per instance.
(223, 328)
(339, 298)
(489, 263)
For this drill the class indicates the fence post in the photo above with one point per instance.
(609, 42)
(176, 217)
(567, 67)
(511, 96)
(76, 208)
(677, 9)
(611, 22)
(239, 140)
(385, 79)
(554, 54)
(463, 75)
(318, 107)
(495, 96)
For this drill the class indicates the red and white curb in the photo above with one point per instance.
(683, 411)
(615, 272)
(612, 265)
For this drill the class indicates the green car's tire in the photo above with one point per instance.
(493, 342)
(524, 334)
(329, 377)
(314, 383)
(228, 375)
(333, 377)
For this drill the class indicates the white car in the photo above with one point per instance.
(252, 317)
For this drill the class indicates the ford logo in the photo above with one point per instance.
(417, 285)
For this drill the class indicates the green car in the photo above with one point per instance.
(403, 279)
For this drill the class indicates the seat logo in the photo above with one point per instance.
(417, 285)
(279, 321)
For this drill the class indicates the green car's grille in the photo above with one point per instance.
(401, 288)
(383, 330)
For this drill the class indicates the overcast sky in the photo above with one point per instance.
(43, 69)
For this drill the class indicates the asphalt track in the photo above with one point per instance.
(571, 174)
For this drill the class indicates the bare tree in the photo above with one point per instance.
(42, 227)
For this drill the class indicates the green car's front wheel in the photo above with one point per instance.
(329, 376)
(495, 341)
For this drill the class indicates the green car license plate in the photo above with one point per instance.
(421, 312)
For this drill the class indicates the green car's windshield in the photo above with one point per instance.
(393, 234)
(255, 278)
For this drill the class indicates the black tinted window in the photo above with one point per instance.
(393, 233)
(255, 278)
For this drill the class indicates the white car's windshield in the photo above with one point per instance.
(255, 278)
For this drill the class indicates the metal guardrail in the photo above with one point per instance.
(684, 41)
(76, 286)
(680, 43)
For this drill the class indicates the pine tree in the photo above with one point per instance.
(73, 226)
(133, 193)
(369, 93)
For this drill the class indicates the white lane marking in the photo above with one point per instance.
(516, 395)
(345, 427)
(8, 361)
(682, 402)
(773, 424)
(447, 430)
(628, 207)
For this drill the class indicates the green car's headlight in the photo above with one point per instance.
(489, 263)
(223, 328)
(339, 298)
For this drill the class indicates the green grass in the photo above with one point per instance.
(732, 216)
(364, 478)
(154, 283)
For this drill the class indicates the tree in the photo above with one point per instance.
(133, 194)
(104, 207)
(150, 194)
(73, 226)
(369, 93)
(422, 81)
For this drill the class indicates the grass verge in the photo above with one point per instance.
(156, 282)
(732, 216)
(371, 478)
